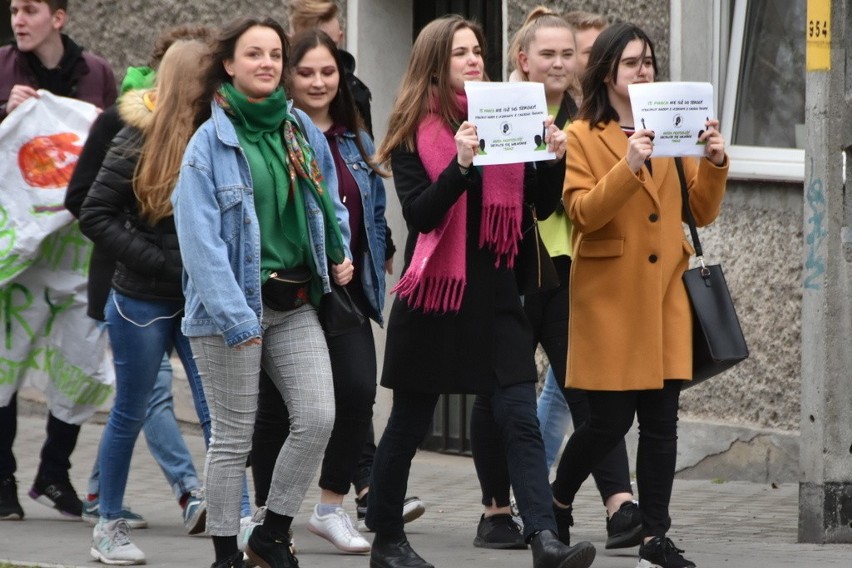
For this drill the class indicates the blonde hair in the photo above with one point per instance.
(425, 80)
(179, 87)
(539, 18)
(586, 20)
(309, 14)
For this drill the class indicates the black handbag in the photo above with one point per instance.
(718, 342)
(338, 313)
(534, 270)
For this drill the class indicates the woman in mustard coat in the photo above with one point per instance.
(630, 323)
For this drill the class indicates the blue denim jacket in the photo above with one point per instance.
(219, 234)
(373, 200)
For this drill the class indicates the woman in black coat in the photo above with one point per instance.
(457, 324)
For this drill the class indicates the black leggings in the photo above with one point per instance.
(353, 366)
(612, 416)
(548, 315)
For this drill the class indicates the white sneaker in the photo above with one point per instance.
(247, 525)
(111, 544)
(337, 529)
(412, 508)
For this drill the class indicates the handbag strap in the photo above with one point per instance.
(687, 212)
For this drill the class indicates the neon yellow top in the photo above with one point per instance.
(556, 230)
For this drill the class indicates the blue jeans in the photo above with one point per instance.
(553, 417)
(141, 332)
(164, 438)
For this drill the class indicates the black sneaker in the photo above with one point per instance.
(500, 532)
(59, 494)
(10, 507)
(264, 550)
(624, 527)
(564, 522)
(660, 552)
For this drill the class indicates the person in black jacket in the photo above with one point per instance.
(457, 324)
(162, 432)
(127, 214)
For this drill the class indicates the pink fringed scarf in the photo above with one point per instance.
(435, 279)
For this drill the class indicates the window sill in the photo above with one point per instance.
(770, 164)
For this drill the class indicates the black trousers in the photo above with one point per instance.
(612, 416)
(353, 366)
(548, 314)
(506, 419)
(55, 453)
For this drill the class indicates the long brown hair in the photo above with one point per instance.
(178, 95)
(427, 77)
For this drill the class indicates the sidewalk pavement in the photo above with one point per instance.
(731, 525)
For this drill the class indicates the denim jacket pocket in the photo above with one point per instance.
(230, 203)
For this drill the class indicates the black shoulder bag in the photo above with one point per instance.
(717, 338)
(338, 313)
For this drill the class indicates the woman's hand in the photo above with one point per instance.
(555, 137)
(342, 273)
(389, 265)
(640, 146)
(467, 144)
(714, 150)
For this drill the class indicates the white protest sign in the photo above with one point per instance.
(509, 119)
(676, 112)
(47, 339)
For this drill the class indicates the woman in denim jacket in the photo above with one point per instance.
(252, 207)
(316, 87)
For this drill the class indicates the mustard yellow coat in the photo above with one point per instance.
(630, 325)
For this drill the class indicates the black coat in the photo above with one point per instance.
(101, 265)
(488, 341)
(148, 263)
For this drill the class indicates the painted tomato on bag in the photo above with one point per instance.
(47, 162)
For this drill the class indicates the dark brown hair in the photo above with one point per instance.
(603, 64)
(224, 48)
(343, 110)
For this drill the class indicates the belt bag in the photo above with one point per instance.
(286, 289)
(717, 338)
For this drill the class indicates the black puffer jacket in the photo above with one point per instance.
(148, 263)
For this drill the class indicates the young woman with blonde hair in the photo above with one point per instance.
(457, 325)
(547, 54)
(128, 215)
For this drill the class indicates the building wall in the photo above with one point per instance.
(650, 15)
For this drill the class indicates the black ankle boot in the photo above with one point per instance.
(233, 561)
(389, 552)
(265, 550)
(548, 552)
(564, 521)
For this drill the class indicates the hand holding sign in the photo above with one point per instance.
(678, 114)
